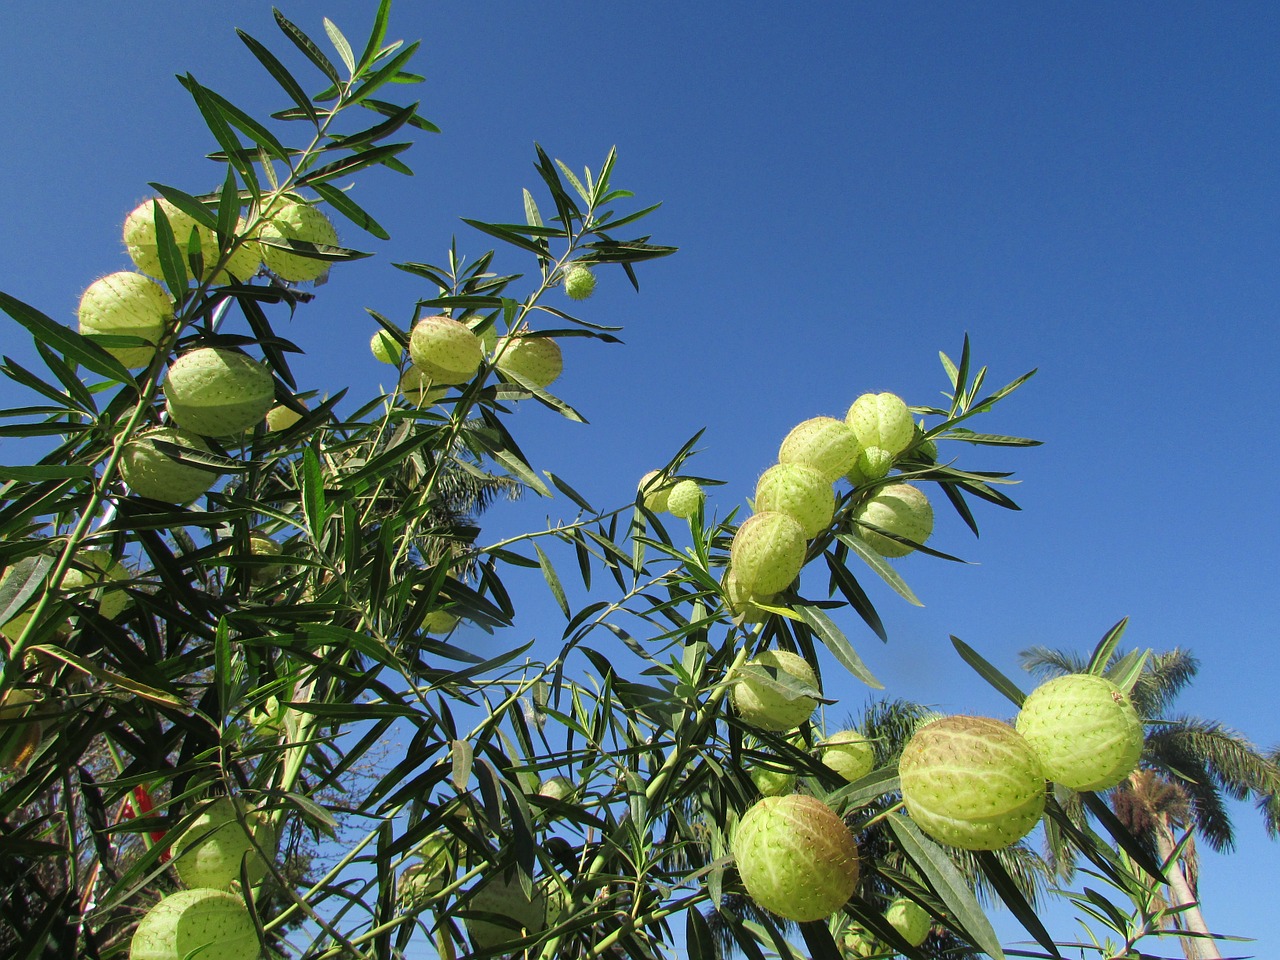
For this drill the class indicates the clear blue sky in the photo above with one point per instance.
(1086, 188)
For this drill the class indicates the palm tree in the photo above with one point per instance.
(1189, 767)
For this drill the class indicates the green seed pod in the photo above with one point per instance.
(418, 388)
(150, 473)
(208, 924)
(536, 359)
(800, 492)
(281, 417)
(18, 741)
(849, 754)
(872, 464)
(858, 942)
(766, 708)
(557, 788)
(218, 392)
(126, 304)
(385, 348)
(515, 913)
(445, 350)
(434, 871)
(579, 282)
(767, 553)
(439, 622)
(1084, 729)
(910, 919)
(796, 857)
(972, 782)
(656, 492)
(826, 444)
(209, 852)
(772, 781)
(684, 499)
(93, 567)
(743, 607)
(144, 249)
(296, 221)
(898, 508)
(882, 420)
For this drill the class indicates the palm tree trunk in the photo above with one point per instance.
(1180, 894)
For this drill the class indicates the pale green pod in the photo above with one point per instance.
(1084, 729)
(200, 924)
(766, 708)
(445, 350)
(218, 392)
(796, 857)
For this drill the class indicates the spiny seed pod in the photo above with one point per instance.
(261, 545)
(1084, 729)
(655, 491)
(126, 304)
(536, 359)
(445, 350)
(798, 491)
(857, 942)
(209, 852)
(218, 392)
(898, 508)
(385, 348)
(557, 788)
(767, 553)
(849, 754)
(281, 417)
(431, 874)
(744, 608)
(872, 464)
(772, 781)
(579, 282)
(515, 913)
(209, 924)
(418, 388)
(92, 568)
(796, 857)
(882, 420)
(141, 242)
(151, 473)
(826, 444)
(910, 919)
(972, 782)
(766, 707)
(290, 221)
(439, 622)
(18, 741)
(684, 499)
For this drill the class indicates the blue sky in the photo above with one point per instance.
(1085, 188)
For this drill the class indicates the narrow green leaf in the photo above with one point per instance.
(1011, 894)
(988, 672)
(222, 132)
(390, 109)
(52, 471)
(698, 939)
(388, 73)
(880, 566)
(341, 45)
(281, 75)
(852, 591)
(947, 882)
(1126, 671)
(170, 249)
(124, 683)
(1106, 647)
(246, 124)
(70, 344)
(577, 184)
(568, 491)
(21, 582)
(351, 210)
(377, 34)
(506, 235)
(463, 757)
(188, 205)
(531, 213)
(352, 164)
(307, 46)
(375, 133)
(553, 580)
(837, 643)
